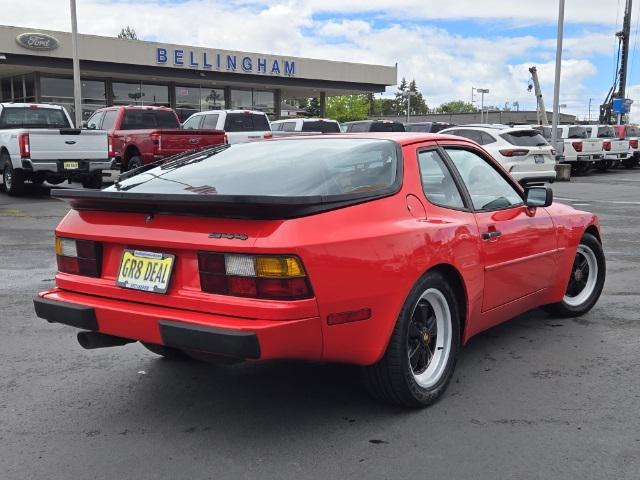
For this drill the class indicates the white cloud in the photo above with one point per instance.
(445, 65)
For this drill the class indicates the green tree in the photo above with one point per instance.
(384, 107)
(347, 108)
(313, 107)
(457, 106)
(128, 33)
(418, 103)
(401, 97)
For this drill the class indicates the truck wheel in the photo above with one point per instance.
(94, 182)
(13, 180)
(134, 162)
(421, 355)
(586, 281)
(629, 162)
(602, 165)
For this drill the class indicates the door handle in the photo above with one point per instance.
(491, 234)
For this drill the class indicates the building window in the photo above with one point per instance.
(57, 88)
(211, 98)
(253, 100)
(192, 99)
(18, 89)
(140, 94)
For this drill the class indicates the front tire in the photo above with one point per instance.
(585, 282)
(134, 162)
(420, 358)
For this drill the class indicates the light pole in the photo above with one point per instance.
(590, 110)
(556, 85)
(482, 91)
(409, 95)
(77, 90)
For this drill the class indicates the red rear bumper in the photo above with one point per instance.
(216, 334)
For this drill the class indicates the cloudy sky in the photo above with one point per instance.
(448, 46)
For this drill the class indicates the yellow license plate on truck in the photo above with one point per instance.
(71, 165)
(146, 271)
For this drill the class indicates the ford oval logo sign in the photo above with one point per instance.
(37, 41)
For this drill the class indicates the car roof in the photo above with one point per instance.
(216, 112)
(492, 128)
(403, 138)
(371, 121)
(30, 104)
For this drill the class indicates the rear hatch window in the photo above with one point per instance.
(633, 132)
(33, 118)
(424, 128)
(606, 132)
(285, 168)
(578, 132)
(138, 119)
(246, 122)
(525, 138)
(386, 127)
(318, 126)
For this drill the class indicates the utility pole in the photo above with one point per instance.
(77, 89)
(556, 85)
(482, 91)
(590, 110)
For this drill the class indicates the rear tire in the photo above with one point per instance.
(166, 352)
(134, 162)
(12, 180)
(582, 293)
(93, 182)
(419, 361)
(629, 163)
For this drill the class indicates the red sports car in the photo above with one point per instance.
(387, 251)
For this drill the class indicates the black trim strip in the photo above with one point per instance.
(78, 316)
(218, 341)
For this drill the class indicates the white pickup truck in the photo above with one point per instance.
(241, 126)
(38, 143)
(575, 147)
(614, 149)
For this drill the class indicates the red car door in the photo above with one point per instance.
(518, 244)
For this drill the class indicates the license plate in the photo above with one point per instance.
(538, 158)
(71, 165)
(146, 271)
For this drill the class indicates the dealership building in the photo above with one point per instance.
(36, 66)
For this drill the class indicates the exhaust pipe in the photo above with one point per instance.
(91, 340)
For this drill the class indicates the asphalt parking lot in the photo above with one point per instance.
(537, 397)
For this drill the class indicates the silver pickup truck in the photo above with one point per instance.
(38, 143)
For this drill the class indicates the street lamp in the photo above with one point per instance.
(409, 95)
(482, 91)
(77, 89)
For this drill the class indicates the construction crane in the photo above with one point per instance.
(541, 113)
(620, 80)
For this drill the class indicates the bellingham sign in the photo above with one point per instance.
(227, 62)
(37, 41)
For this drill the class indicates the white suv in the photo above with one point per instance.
(321, 125)
(521, 150)
(240, 125)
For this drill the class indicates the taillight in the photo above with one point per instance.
(274, 277)
(110, 147)
(633, 143)
(606, 145)
(23, 144)
(79, 257)
(514, 152)
(577, 146)
(156, 139)
(226, 139)
(267, 136)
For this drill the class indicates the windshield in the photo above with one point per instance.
(633, 131)
(33, 118)
(525, 138)
(291, 168)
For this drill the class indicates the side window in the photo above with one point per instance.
(471, 135)
(437, 182)
(94, 122)
(276, 127)
(210, 121)
(192, 123)
(109, 119)
(486, 138)
(289, 126)
(487, 188)
(358, 127)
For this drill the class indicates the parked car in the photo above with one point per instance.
(427, 127)
(631, 133)
(615, 150)
(239, 125)
(522, 151)
(384, 251)
(38, 143)
(321, 125)
(372, 126)
(575, 147)
(141, 135)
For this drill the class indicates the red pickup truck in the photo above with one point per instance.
(140, 135)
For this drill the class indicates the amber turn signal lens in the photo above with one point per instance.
(279, 267)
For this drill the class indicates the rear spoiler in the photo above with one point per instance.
(229, 206)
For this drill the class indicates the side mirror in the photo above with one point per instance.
(538, 196)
